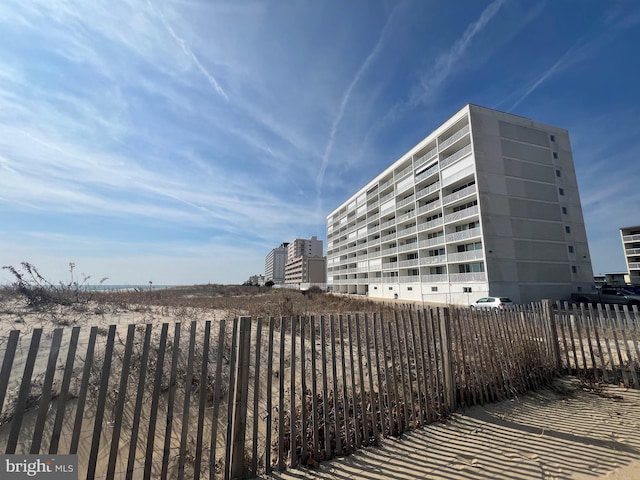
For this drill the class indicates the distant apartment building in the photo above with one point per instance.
(274, 264)
(631, 246)
(305, 262)
(487, 204)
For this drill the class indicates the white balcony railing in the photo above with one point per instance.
(427, 173)
(465, 192)
(430, 207)
(460, 214)
(454, 138)
(463, 235)
(465, 256)
(463, 152)
(468, 277)
(436, 259)
(426, 157)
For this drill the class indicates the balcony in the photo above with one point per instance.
(632, 251)
(389, 251)
(407, 231)
(405, 201)
(409, 279)
(631, 238)
(454, 138)
(384, 185)
(407, 247)
(408, 263)
(405, 216)
(403, 173)
(467, 277)
(436, 259)
(427, 173)
(634, 266)
(463, 235)
(431, 242)
(388, 196)
(388, 238)
(436, 278)
(423, 192)
(456, 156)
(430, 224)
(429, 207)
(465, 192)
(390, 266)
(460, 214)
(426, 157)
(465, 256)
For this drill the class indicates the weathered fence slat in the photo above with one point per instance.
(325, 392)
(64, 391)
(336, 395)
(102, 400)
(373, 431)
(7, 363)
(203, 386)
(396, 412)
(25, 387)
(293, 456)
(380, 417)
(231, 397)
(137, 409)
(352, 405)
(155, 398)
(240, 400)
(269, 394)
(304, 428)
(173, 379)
(216, 396)
(412, 419)
(281, 405)
(362, 399)
(315, 421)
(256, 397)
(45, 397)
(119, 408)
(343, 379)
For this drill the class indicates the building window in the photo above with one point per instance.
(567, 229)
(561, 191)
(434, 289)
(390, 288)
(574, 269)
(564, 210)
(558, 173)
(552, 138)
(570, 248)
(467, 290)
(409, 289)
(555, 155)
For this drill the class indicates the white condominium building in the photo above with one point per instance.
(631, 246)
(274, 264)
(487, 204)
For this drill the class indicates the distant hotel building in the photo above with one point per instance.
(305, 262)
(274, 264)
(486, 204)
(631, 246)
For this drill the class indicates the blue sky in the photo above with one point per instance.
(179, 141)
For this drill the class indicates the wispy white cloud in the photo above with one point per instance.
(345, 100)
(446, 63)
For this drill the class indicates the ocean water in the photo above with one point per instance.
(124, 288)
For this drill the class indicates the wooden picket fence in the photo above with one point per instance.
(232, 399)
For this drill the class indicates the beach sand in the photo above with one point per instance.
(564, 432)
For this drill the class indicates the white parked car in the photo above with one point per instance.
(492, 302)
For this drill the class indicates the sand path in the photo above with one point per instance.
(565, 432)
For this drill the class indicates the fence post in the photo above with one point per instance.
(239, 420)
(551, 316)
(447, 360)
